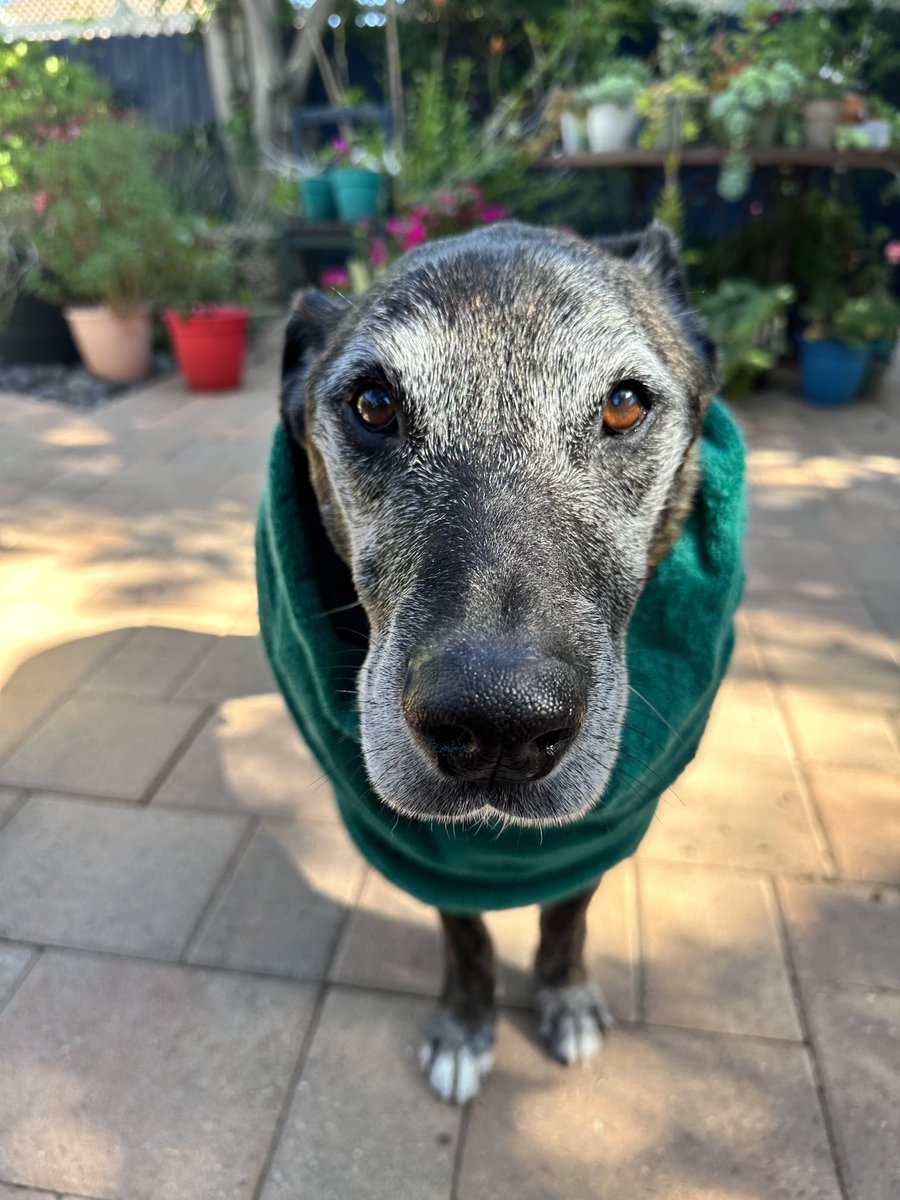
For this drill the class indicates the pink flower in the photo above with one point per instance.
(40, 202)
(395, 226)
(492, 212)
(377, 252)
(341, 146)
(892, 252)
(334, 277)
(414, 234)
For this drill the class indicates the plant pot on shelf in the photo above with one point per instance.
(610, 127)
(820, 120)
(832, 372)
(572, 132)
(113, 347)
(317, 199)
(356, 191)
(37, 332)
(209, 345)
(877, 133)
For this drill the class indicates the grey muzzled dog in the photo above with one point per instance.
(502, 438)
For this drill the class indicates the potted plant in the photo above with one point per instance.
(107, 236)
(317, 200)
(609, 104)
(672, 110)
(878, 126)
(835, 348)
(747, 113)
(355, 183)
(748, 321)
(206, 323)
(822, 109)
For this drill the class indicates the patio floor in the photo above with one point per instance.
(206, 995)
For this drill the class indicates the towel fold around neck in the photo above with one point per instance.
(679, 644)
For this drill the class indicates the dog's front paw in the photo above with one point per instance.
(456, 1055)
(572, 1020)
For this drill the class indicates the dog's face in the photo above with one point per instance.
(501, 437)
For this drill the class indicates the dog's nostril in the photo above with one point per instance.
(551, 741)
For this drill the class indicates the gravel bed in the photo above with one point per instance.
(72, 385)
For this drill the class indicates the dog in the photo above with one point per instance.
(502, 439)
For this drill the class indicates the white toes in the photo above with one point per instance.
(455, 1074)
(572, 1020)
(577, 1038)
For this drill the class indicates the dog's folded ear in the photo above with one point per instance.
(313, 316)
(656, 251)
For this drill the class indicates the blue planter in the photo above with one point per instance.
(317, 199)
(357, 192)
(832, 372)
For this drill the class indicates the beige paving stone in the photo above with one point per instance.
(362, 1124)
(109, 876)
(861, 814)
(843, 934)
(103, 746)
(825, 733)
(250, 758)
(143, 1081)
(21, 711)
(856, 1034)
(883, 606)
(661, 1115)
(737, 810)
(870, 563)
(8, 801)
(827, 654)
(745, 718)
(712, 952)
(13, 961)
(234, 667)
(393, 941)
(8, 1192)
(62, 667)
(151, 664)
(283, 908)
(808, 568)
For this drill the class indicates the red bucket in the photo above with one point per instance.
(209, 345)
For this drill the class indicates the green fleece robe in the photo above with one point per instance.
(679, 643)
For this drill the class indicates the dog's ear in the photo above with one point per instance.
(656, 250)
(313, 316)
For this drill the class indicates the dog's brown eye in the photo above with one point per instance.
(375, 409)
(625, 409)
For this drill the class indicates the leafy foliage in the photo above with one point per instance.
(747, 321)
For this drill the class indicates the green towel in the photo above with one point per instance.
(679, 643)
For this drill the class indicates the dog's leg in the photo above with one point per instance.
(459, 1048)
(572, 1011)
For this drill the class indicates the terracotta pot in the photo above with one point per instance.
(113, 347)
(853, 106)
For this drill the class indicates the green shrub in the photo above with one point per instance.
(747, 322)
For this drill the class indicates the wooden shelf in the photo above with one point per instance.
(706, 156)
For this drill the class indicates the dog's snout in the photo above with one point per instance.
(493, 714)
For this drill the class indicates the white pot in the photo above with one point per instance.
(820, 120)
(572, 133)
(878, 133)
(610, 127)
(113, 347)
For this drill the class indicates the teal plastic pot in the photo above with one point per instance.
(356, 191)
(832, 372)
(317, 199)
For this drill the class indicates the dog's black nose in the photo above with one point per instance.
(493, 713)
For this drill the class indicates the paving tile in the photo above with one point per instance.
(362, 1124)
(746, 718)
(393, 941)
(102, 746)
(235, 667)
(809, 569)
(283, 909)
(861, 815)
(8, 1192)
(827, 654)
(856, 1034)
(151, 664)
(737, 810)
(13, 961)
(870, 563)
(8, 801)
(61, 668)
(712, 952)
(110, 876)
(825, 733)
(21, 711)
(847, 934)
(883, 606)
(660, 1115)
(144, 1081)
(250, 758)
